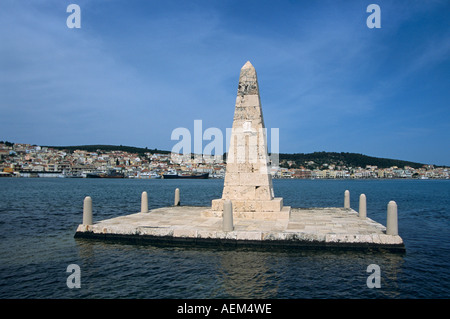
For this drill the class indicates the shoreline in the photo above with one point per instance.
(221, 178)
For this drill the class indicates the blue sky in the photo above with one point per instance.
(136, 70)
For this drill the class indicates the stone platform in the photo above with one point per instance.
(316, 228)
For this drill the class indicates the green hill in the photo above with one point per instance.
(341, 159)
(307, 160)
(109, 148)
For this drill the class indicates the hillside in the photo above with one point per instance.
(306, 160)
(341, 159)
(109, 148)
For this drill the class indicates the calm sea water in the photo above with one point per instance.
(38, 219)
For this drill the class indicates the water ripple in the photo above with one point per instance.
(38, 218)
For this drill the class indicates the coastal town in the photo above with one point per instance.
(26, 160)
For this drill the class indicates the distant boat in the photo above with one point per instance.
(154, 175)
(186, 176)
(110, 174)
(5, 174)
(93, 175)
(151, 175)
(66, 174)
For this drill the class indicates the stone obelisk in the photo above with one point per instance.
(248, 182)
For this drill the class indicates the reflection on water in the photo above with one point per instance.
(173, 272)
(391, 270)
(244, 274)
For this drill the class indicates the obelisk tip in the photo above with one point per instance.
(247, 65)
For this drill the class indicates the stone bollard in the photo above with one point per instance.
(392, 219)
(362, 206)
(227, 215)
(144, 202)
(177, 197)
(87, 211)
(346, 199)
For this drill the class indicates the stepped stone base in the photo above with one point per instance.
(252, 209)
(249, 205)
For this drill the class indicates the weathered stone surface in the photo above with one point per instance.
(182, 232)
(315, 226)
(248, 235)
(248, 183)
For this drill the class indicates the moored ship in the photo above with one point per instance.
(113, 174)
(93, 175)
(185, 175)
(110, 174)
